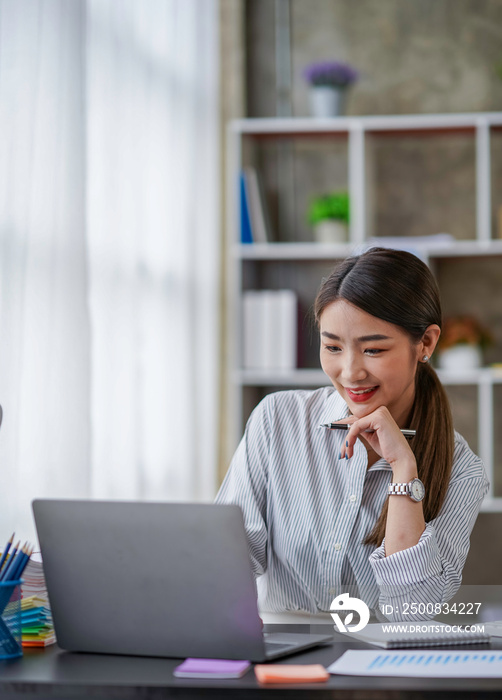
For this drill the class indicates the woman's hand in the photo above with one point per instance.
(405, 518)
(382, 434)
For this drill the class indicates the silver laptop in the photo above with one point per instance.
(154, 579)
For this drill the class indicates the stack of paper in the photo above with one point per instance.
(37, 629)
(270, 324)
(422, 663)
(36, 620)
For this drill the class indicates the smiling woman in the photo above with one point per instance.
(388, 304)
(363, 510)
(361, 363)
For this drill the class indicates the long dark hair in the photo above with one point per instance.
(399, 288)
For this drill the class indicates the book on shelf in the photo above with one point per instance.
(270, 329)
(246, 233)
(257, 206)
(254, 214)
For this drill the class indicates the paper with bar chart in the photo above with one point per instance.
(420, 663)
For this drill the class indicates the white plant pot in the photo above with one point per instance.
(326, 101)
(460, 357)
(331, 231)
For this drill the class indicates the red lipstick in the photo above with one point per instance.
(362, 398)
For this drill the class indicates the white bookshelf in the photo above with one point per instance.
(323, 251)
(358, 132)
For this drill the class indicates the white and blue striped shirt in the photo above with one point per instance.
(307, 512)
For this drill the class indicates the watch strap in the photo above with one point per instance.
(396, 489)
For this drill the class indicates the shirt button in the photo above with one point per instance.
(338, 546)
(352, 498)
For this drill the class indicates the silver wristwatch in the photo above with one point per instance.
(414, 489)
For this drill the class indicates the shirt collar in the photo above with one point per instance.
(334, 407)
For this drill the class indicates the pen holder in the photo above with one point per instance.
(10, 619)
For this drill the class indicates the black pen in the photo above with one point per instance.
(345, 426)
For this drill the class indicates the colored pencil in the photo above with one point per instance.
(19, 564)
(6, 551)
(24, 563)
(4, 574)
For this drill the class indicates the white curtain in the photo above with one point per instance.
(109, 249)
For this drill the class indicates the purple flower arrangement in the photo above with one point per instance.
(331, 73)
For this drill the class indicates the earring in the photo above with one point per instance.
(425, 358)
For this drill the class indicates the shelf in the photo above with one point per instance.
(293, 251)
(468, 248)
(413, 122)
(483, 375)
(292, 378)
(316, 377)
(322, 251)
(492, 505)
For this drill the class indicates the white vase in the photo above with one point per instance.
(331, 231)
(326, 101)
(460, 357)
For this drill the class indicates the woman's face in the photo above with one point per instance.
(371, 363)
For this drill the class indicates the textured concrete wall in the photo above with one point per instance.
(414, 56)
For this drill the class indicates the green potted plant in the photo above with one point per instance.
(329, 215)
(461, 343)
(329, 81)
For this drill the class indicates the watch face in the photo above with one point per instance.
(417, 490)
